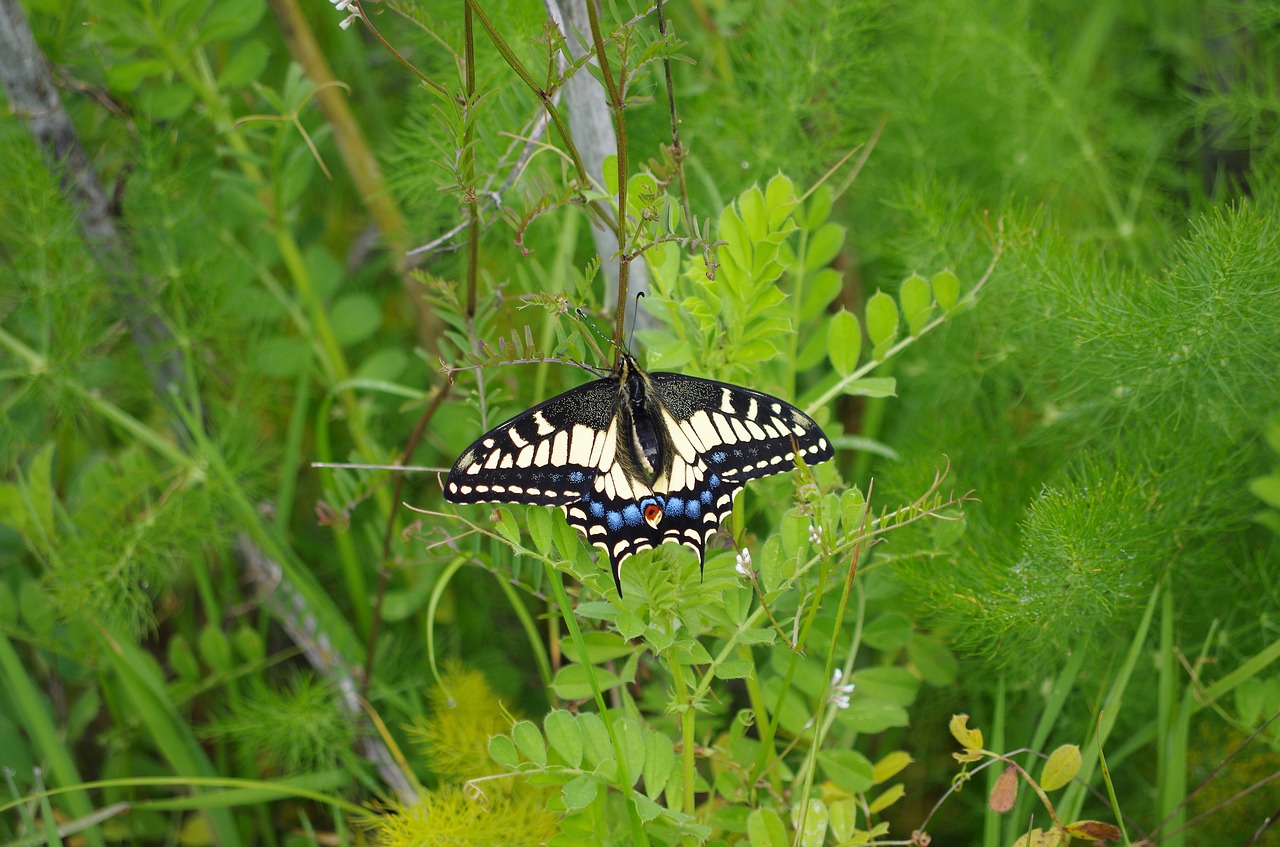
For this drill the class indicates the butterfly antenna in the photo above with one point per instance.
(586, 321)
(631, 336)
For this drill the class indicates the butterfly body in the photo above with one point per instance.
(637, 459)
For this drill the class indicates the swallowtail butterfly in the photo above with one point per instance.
(638, 459)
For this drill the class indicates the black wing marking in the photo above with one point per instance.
(550, 454)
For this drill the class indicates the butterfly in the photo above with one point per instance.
(638, 459)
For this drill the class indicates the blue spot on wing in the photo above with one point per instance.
(597, 509)
(631, 515)
(692, 509)
(675, 506)
(719, 457)
(614, 520)
(576, 477)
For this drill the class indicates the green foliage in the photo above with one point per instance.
(1059, 256)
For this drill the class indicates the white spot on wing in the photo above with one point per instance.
(525, 459)
(580, 444)
(516, 438)
(544, 427)
(560, 449)
(679, 437)
(725, 429)
(705, 429)
(726, 401)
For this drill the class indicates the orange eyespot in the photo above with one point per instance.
(652, 514)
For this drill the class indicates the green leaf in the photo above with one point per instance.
(215, 648)
(565, 736)
(503, 751)
(933, 659)
(539, 523)
(530, 742)
(780, 199)
(246, 65)
(739, 669)
(848, 769)
(820, 291)
(229, 19)
(602, 646)
(355, 318)
(1267, 489)
(844, 342)
(183, 659)
(824, 245)
(281, 357)
(1062, 767)
(659, 760)
(38, 612)
(853, 508)
(891, 765)
(580, 791)
(819, 207)
(765, 829)
(917, 302)
(595, 739)
(166, 101)
(882, 321)
(946, 289)
(507, 526)
(873, 386)
(572, 683)
(891, 684)
(887, 798)
(127, 76)
(385, 365)
(843, 815)
(815, 824)
(887, 632)
(646, 809)
(689, 651)
(872, 716)
(631, 737)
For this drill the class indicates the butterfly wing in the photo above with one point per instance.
(550, 454)
(720, 436)
(569, 451)
(581, 451)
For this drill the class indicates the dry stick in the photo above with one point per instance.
(362, 164)
(617, 95)
(593, 131)
(33, 98)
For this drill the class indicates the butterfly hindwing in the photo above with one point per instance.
(723, 435)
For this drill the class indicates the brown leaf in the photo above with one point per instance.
(1096, 830)
(1004, 792)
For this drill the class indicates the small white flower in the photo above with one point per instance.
(743, 565)
(840, 694)
(815, 534)
(349, 6)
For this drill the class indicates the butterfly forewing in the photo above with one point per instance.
(550, 454)
(638, 460)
